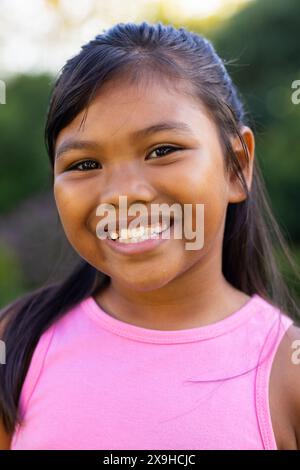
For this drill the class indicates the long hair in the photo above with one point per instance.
(252, 238)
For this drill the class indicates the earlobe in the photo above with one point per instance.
(246, 161)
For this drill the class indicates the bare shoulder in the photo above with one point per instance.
(285, 391)
(5, 439)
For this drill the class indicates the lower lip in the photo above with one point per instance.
(140, 247)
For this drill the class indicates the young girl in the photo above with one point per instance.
(147, 344)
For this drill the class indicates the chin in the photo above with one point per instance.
(146, 284)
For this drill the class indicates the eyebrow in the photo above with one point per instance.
(75, 144)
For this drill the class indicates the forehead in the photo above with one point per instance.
(121, 107)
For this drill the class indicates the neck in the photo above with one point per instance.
(198, 297)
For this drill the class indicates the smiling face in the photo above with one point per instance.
(121, 161)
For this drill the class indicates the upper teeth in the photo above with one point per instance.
(140, 232)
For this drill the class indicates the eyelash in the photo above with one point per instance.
(174, 149)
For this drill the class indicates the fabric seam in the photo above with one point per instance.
(262, 398)
(90, 311)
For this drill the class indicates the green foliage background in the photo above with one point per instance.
(262, 44)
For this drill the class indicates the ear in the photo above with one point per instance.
(236, 192)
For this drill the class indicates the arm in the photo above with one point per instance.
(5, 439)
(294, 380)
(285, 391)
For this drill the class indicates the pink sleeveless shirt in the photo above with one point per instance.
(95, 382)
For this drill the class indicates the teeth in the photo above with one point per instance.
(135, 235)
(114, 235)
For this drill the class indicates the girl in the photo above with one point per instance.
(148, 345)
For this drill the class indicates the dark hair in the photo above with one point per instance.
(251, 239)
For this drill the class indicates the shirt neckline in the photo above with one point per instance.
(138, 333)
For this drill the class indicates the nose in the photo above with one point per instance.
(126, 181)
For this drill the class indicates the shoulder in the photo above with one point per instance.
(10, 317)
(285, 390)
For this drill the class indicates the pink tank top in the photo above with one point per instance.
(95, 382)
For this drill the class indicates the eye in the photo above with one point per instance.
(86, 165)
(166, 150)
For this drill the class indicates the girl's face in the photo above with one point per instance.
(119, 161)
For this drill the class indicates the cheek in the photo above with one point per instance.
(72, 206)
(200, 180)
(215, 204)
(75, 204)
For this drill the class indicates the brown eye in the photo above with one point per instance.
(165, 149)
(86, 165)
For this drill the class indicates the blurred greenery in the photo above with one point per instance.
(264, 40)
(11, 282)
(24, 168)
(261, 43)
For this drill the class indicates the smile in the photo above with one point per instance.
(140, 234)
(140, 240)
